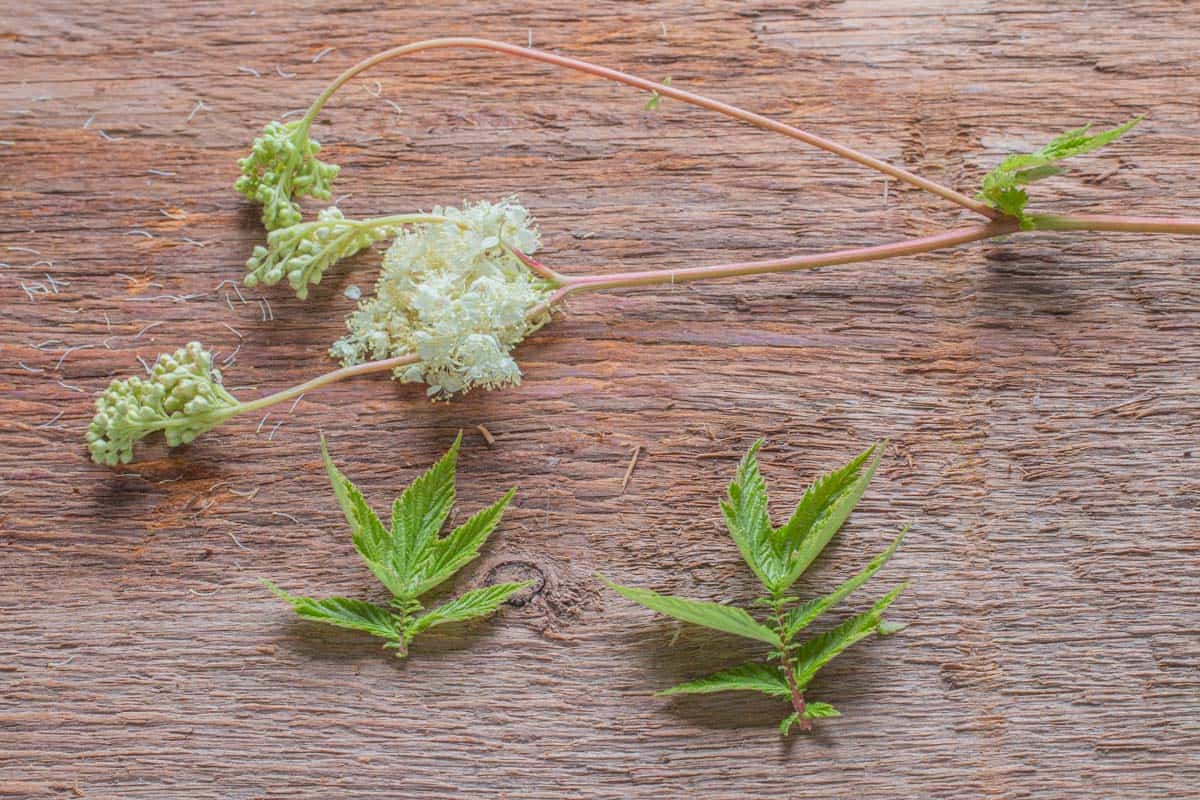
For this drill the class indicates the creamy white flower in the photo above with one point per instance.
(450, 293)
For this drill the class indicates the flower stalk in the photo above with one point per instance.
(662, 90)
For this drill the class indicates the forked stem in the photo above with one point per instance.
(568, 284)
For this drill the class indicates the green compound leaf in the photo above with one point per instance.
(410, 559)
(1001, 187)
(729, 619)
(342, 612)
(750, 677)
(467, 606)
(778, 557)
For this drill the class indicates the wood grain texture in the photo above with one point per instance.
(1040, 395)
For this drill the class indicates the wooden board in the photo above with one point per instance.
(1040, 395)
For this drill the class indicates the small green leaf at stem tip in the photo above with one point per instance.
(811, 711)
(1001, 187)
(729, 619)
(820, 710)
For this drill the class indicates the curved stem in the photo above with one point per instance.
(757, 120)
(323, 380)
(400, 219)
(924, 244)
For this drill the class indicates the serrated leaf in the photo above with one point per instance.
(746, 518)
(820, 650)
(821, 512)
(342, 612)
(1000, 186)
(820, 710)
(469, 605)
(803, 615)
(1011, 201)
(729, 619)
(1077, 142)
(750, 677)
(786, 725)
(421, 510)
(449, 554)
(371, 539)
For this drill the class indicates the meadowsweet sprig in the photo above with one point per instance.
(778, 557)
(466, 347)
(305, 250)
(182, 397)
(283, 164)
(410, 558)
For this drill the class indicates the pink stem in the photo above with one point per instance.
(924, 244)
(757, 120)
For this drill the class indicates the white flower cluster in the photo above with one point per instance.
(453, 295)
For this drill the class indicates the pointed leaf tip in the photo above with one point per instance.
(750, 677)
(729, 619)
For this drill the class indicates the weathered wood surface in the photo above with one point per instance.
(1040, 396)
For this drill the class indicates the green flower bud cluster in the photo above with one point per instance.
(283, 165)
(304, 251)
(183, 397)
